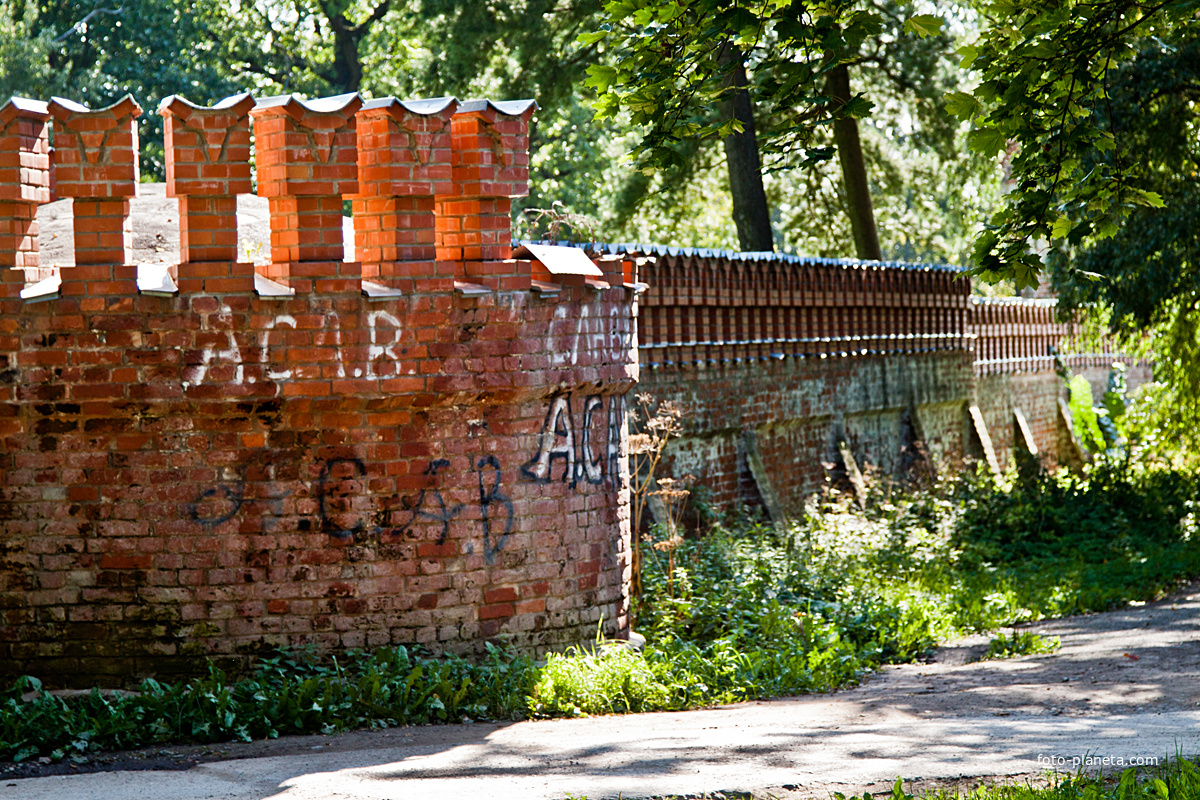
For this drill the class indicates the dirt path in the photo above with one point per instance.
(1125, 685)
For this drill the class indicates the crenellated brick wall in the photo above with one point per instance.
(221, 461)
(776, 359)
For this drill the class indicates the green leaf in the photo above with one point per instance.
(1153, 199)
(963, 105)
(1062, 226)
(601, 77)
(987, 141)
(591, 38)
(969, 53)
(858, 107)
(923, 25)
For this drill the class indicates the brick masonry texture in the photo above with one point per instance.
(781, 358)
(24, 183)
(218, 470)
(215, 475)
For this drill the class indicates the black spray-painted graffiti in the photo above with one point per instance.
(227, 498)
(558, 442)
(442, 512)
(491, 496)
(336, 489)
(219, 504)
(339, 485)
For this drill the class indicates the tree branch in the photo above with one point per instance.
(85, 21)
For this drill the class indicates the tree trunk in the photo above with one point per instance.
(854, 168)
(750, 212)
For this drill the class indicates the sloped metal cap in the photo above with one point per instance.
(510, 108)
(63, 109)
(426, 108)
(183, 108)
(296, 106)
(23, 107)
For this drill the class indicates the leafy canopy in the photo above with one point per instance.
(673, 62)
(1045, 98)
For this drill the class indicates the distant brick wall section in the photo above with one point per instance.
(1016, 340)
(24, 183)
(796, 353)
(782, 356)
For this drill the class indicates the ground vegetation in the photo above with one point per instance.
(742, 612)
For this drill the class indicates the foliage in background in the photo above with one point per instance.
(1144, 279)
(96, 53)
(1083, 414)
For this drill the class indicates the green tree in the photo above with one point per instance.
(673, 68)
(1146, 275)
(1045, 94)
(95, 54)
(1096, 103)
(316, 47)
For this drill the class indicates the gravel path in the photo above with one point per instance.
(1124, 686)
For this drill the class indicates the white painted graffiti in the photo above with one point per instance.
(575, 331)
(559, 442)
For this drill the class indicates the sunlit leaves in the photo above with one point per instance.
(923, 25)
(1044, 98)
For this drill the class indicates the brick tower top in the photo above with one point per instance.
(96, 149)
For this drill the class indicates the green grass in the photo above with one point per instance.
(1021, 643)
(1176, 779)
(747, 613)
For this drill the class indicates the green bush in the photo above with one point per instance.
(285, 695)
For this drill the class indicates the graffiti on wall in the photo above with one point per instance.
(579, 444)
(240, 358)
(430, 505)
(589, 452)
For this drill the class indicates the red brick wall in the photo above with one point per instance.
(434, 456)
(794, 353)
(211, 476)
(797, 408)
